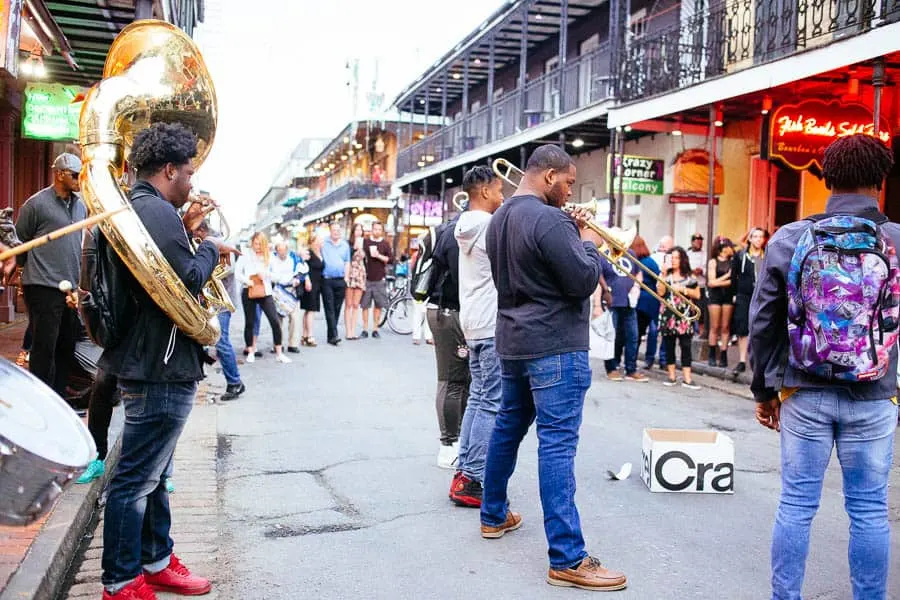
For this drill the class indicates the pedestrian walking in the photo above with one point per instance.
(335, 276)
(450, 350)
(675, 329)
(378, 257)
(157, 368)
(647, 306)
(356, 281)
(477, 317)
(721, 300)
(254, 273)
(745, 269)
(312, 288)
(824, 371)
(287, 281)
(54, 325)
(545, 273)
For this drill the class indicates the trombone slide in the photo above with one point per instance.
(53, 235)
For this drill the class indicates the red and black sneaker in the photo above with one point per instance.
(466, 492)
(456, 477)
(176, 578)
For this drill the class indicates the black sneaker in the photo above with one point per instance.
(375, 334)
(293, 349)
(233, 391)
(335, 341)
(741, 367)
(259, 354)
(364, 334)
(723, 359)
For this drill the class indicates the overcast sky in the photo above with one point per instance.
(279, 71)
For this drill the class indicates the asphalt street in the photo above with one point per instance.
(329, 489)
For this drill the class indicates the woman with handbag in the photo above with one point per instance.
(253, 271)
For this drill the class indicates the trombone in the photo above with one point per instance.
(615, 245)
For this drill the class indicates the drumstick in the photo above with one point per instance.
(78, 226)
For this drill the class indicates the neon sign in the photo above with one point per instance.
(801, 132)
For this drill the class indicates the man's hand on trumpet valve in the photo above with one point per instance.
(223, 248)
(195, 214)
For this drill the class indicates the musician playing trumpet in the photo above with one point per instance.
(545, 265)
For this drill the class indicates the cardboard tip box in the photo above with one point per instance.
(687, 460)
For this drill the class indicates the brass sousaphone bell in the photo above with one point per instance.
(616, 242)
(153, 72)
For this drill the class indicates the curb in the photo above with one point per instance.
(702, 376)
(42, 573)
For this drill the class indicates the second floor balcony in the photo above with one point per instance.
(581, 82)
(737, 34)
(340, 198)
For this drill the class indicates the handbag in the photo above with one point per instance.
(602, 337)
(257, 289)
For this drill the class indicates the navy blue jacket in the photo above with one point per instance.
(544, 275)
(769, 344)
(142, 353)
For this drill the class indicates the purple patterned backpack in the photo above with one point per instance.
(843, 291)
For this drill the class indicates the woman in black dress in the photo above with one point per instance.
(309, 302)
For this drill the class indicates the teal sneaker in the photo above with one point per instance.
(170, 485)
(94, 471)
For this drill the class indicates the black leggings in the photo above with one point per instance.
(100, 410)
(268, 307)
(685, 342)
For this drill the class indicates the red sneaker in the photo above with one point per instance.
(176, 578)
(136, 590)
(466, 492)
(456, 477)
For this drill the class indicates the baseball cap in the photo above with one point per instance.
(67, 162)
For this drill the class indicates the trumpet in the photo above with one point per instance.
(615, 245)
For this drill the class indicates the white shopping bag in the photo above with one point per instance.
(602, 337)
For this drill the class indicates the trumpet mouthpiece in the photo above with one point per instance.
(65, 286)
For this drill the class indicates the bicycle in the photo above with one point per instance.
(399, 313)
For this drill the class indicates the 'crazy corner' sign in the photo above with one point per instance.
(799, 133)
(640, 175)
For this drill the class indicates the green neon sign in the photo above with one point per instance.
(49, 113)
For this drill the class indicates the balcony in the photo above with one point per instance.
(338, 198)
(580, 83)
(739, 34)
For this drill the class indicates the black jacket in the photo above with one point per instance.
(142, 354)
(445, 284)
(545, 276)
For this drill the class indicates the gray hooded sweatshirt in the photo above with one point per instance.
(477, 294)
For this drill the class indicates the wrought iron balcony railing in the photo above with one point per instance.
(580, 83)
(354, 190)
(738, 34)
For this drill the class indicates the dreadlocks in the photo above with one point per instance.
(856, 161)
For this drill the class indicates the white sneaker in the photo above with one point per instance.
(250, 358)
(280, 357)
(447, 456)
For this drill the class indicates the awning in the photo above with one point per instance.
(294, 201)
(841, 53)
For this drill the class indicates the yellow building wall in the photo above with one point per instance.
(734, 204)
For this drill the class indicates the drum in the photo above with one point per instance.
(44, 446)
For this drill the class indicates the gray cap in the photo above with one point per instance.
(67, 162)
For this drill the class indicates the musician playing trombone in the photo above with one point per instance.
(545, 265)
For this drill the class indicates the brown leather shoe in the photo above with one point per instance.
(513, 522)
(590, 575)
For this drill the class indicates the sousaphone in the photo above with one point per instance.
(153, 72)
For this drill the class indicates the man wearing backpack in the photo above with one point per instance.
(823, 337)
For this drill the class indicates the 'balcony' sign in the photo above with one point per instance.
(800, 132)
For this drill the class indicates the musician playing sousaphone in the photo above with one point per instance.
(546, 266)
(158, 368)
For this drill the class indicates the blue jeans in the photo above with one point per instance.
(137, 521)
(625, 322)
(481, 408)
(551, 390)
(812, 422)
(225, 351)
(258, 322)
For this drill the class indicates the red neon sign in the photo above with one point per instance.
(801, 132)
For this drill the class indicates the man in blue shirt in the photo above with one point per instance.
(624, 317)
(336, 256)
